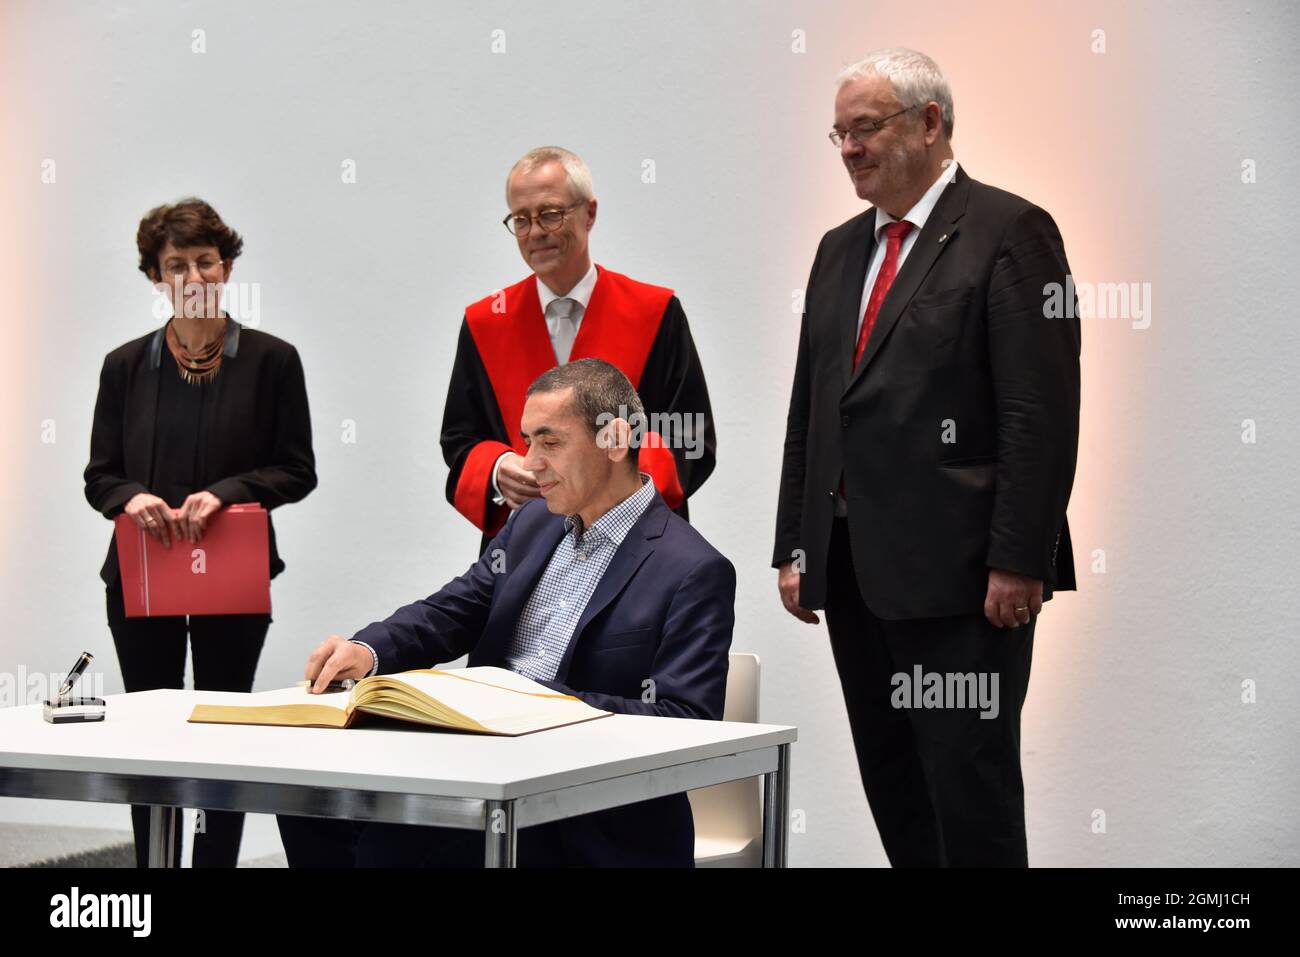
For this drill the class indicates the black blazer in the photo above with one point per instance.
(960, 349)
(258, 437)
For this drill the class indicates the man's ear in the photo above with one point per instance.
(591, 215)
(933, 123)
(616, 439)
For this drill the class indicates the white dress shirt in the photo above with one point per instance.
(580, 294)
(917, 216)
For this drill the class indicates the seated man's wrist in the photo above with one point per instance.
(374, 657)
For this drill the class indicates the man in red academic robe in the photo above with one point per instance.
(567, 308)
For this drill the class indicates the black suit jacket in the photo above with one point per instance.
(960, 349)
(258, 436)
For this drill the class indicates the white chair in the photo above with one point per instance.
(729, 817)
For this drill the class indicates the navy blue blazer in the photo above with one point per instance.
(663, 610)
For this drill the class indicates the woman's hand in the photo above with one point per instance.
(155, 516)
(192, 517)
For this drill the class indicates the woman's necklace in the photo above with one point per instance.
(196, 366)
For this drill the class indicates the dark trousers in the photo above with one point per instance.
(151, 653)
(943, 783)
(655, 833)
(333, 842)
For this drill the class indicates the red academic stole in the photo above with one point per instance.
(509, 329)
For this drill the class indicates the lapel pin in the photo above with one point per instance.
(943, 237)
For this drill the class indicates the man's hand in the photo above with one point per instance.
(1009, 592)
(192, 517)
(787, 581)
(336, 658)
(155, 516)
(516, 484)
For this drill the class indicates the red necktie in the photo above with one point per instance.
(894, 233)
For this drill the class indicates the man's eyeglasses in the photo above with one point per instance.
(549, 219)
(208, 268)
(863, 130)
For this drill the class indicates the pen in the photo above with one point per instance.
(85, 659)
(342, 684)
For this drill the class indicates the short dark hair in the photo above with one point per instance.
(600, 392)
(189, 222)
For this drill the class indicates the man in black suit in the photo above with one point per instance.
(929, 455)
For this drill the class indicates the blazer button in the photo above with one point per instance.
(844, 421)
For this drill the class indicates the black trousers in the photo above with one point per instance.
(151, 653)
(943, 783)
(333, 842)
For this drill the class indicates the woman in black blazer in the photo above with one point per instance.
(194, 416)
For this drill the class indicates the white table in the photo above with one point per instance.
(146, 752)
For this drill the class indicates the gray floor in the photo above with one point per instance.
(270, 860)
(28, 845)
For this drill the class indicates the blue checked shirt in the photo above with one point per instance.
(551, 614)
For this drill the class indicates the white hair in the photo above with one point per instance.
(575, 169)
(916, 80)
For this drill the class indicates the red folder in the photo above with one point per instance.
(227, 573)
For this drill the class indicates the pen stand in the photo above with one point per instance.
(69, 710)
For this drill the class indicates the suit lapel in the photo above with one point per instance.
(152, 374)
(861, 244)
(519, 585)
(940, 228)
(631, 554)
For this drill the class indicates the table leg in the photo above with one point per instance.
(499, 830)
(776, 810)
(162, 834)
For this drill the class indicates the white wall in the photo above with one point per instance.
(1135, 702)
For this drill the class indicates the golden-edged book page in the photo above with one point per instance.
(483, 700)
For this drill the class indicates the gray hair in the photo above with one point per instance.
(601, 393)
(916, 80)
(576, 170)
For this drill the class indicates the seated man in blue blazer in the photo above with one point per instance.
(595, 589)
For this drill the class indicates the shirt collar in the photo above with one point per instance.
(919, 213)
(618, 521)
(231, 347)
(580, 292)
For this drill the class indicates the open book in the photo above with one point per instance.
(484, 700)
